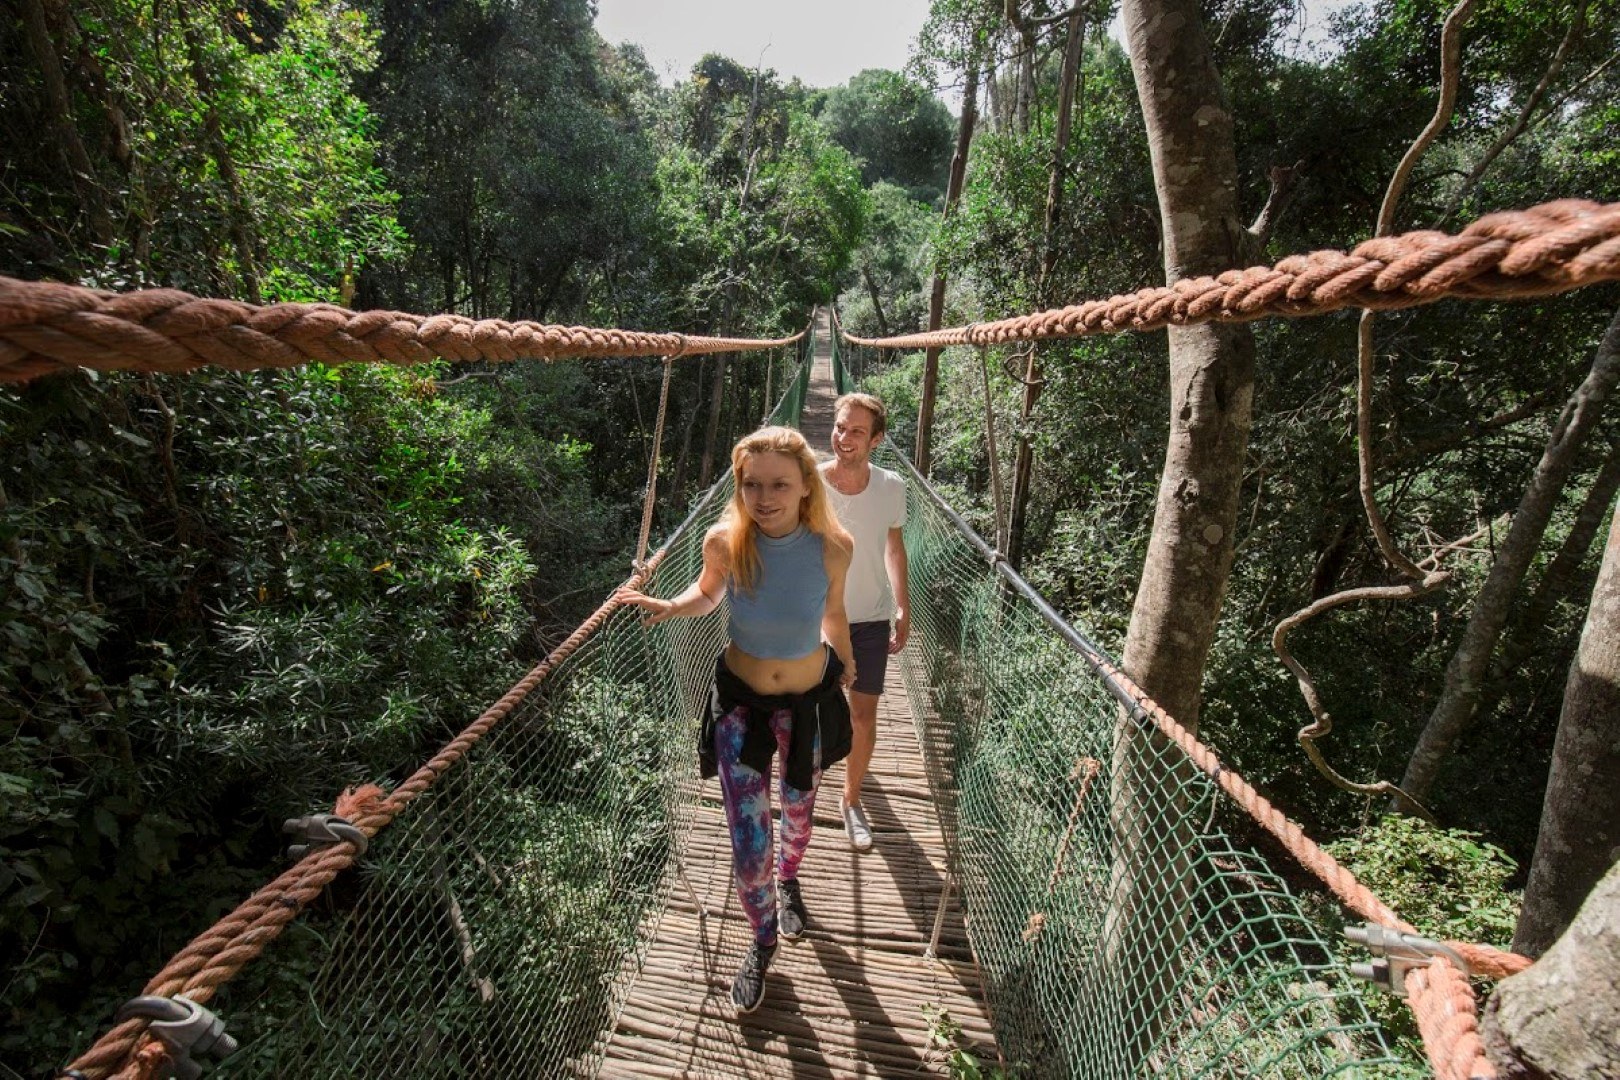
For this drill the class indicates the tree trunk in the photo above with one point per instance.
(1024, 460)
(1189, 558)
(1211, 367)
(1560, 1020)
(64, 131)
(693, 400)
(936, 296)
(711, 432)
(1557, 584)
(1580, 817)
(1024, 84)
(717, 388)
(236, 210)
(1455, 712)
(877, 301)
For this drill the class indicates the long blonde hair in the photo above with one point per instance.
(742, 545)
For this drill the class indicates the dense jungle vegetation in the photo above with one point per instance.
(225, 596)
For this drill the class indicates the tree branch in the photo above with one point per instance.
(1307, 686)
(1532, 405)
(1283, 181)
(1576, 27)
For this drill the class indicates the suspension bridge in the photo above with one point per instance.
(1054, 889)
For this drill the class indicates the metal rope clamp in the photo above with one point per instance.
(1396, 953)
(321, 830)
(184, 1027)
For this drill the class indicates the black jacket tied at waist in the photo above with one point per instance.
(823, 708)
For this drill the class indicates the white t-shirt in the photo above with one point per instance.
(868, 517)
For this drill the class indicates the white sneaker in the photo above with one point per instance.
(856, 827)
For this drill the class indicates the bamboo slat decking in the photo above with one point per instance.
(849, 998)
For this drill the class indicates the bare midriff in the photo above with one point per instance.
(778, 676)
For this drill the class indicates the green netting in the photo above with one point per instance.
(1121, 933)
(841, 381)
(484, 933)
(791, 407)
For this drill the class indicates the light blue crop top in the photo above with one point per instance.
(781, 618)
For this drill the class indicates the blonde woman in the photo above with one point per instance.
(779, 557)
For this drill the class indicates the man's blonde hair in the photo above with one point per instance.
(880, 415)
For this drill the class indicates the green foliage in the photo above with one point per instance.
(519, 151)
(1348, 113)
(229, 151)
(896, 127)
(894, 265)
(944, 1037)
(226, 598)
(1449, 883)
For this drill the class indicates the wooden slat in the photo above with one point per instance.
(848, 999)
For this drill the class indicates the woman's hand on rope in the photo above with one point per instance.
(661, 609)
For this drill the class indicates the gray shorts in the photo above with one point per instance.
(869, 641)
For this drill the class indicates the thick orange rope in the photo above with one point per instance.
(47, 327)
(215, 956)
(1547, 249)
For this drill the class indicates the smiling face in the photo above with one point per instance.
(773, 491)
(852, 437)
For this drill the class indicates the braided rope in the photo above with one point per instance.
(216, 955)
(1440, 996)
(1551, 248)
(47, 327)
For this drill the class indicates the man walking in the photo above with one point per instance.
(871, 504)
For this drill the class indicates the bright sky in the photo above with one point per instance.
(823, 44)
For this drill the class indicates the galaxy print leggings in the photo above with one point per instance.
(748, 811)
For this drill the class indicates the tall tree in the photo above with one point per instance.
(936, 292)
(1189, 129)
(1465, 675)
(897, 128)
(1580, 819)
(1024, 461)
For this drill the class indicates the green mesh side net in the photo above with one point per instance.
(1120, 931)
(494, 927)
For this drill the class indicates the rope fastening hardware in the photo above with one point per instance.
(1396, 953)
(184, 1027)
(319, 830)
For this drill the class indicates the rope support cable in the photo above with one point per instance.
(47, 327)
(652, 466)
(1547, 249)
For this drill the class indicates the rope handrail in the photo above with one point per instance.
(1552, 248)
(47, 327)
(1440, 995)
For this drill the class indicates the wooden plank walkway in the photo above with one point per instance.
(848, 999)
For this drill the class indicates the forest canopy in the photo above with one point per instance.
(225, 596)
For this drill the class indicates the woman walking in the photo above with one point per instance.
(779, 557)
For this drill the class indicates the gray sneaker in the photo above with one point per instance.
(748, 988)
(855, 825)
(791, 915)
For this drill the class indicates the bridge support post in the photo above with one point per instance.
(680, 871)
(932, 952)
